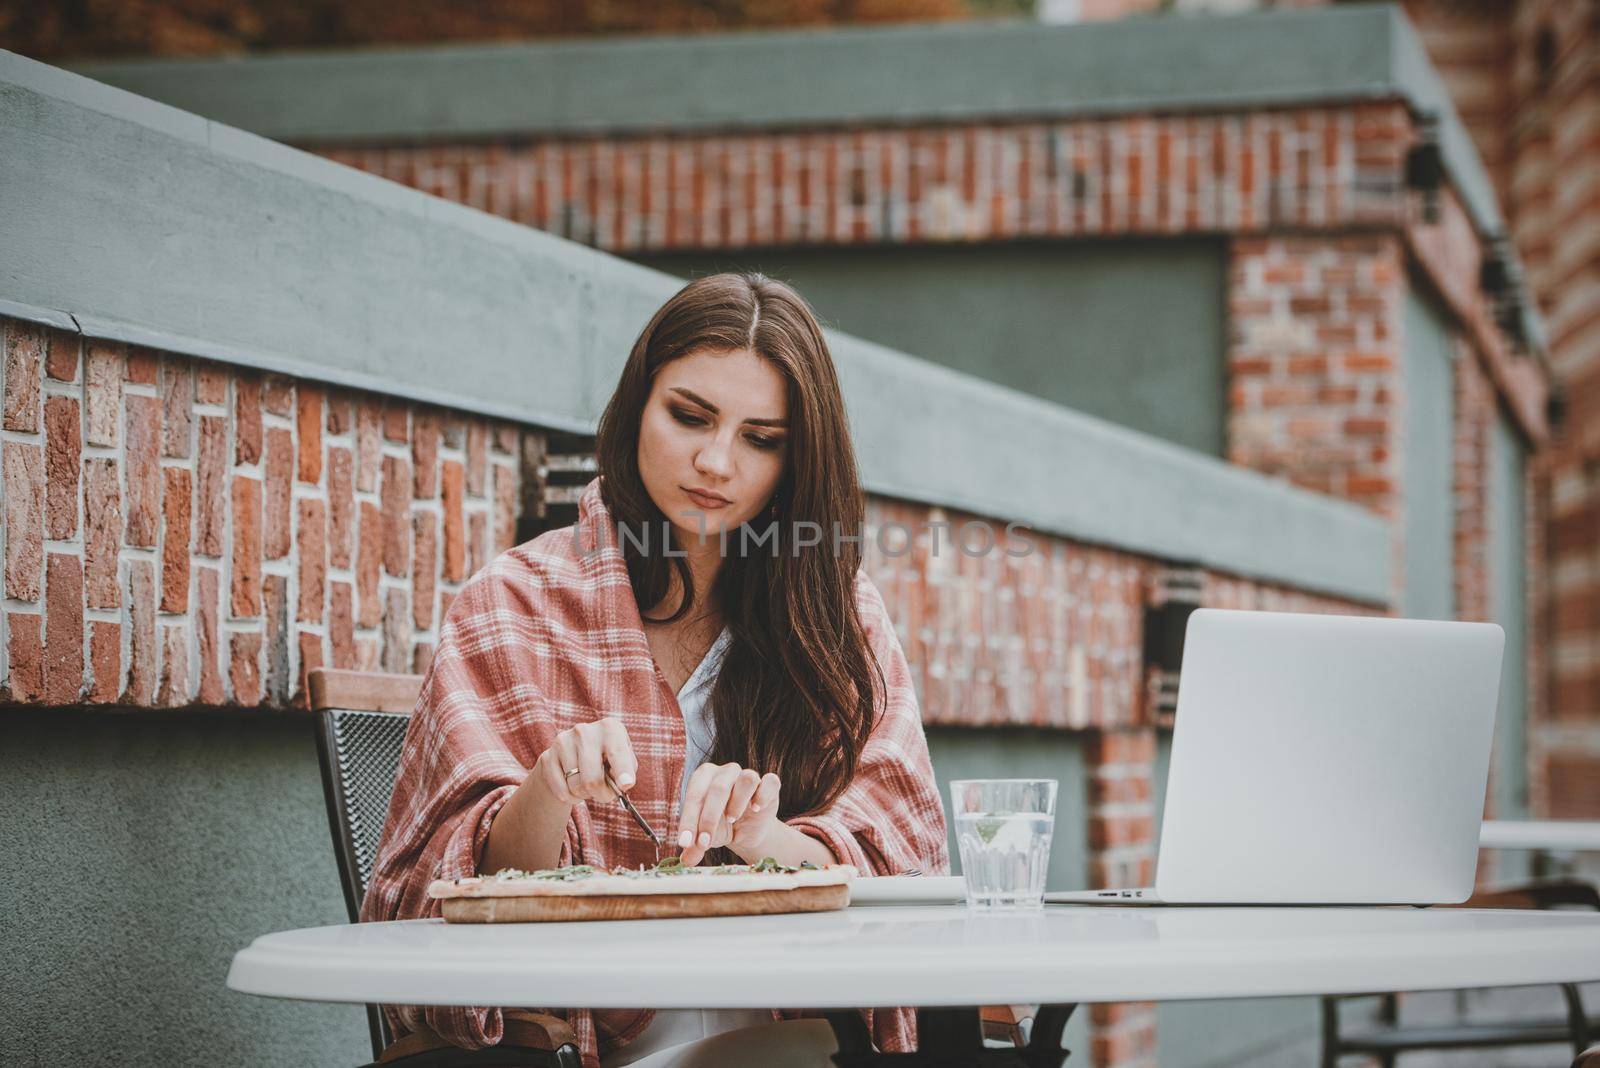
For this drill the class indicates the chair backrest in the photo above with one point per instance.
(362, 720)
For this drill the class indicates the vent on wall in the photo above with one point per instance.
(567, 466)
(1174, 594)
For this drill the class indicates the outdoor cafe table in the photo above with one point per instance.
(927, 956)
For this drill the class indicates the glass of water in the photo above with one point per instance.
(1003, 829)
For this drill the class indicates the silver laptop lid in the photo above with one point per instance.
(1328, 759)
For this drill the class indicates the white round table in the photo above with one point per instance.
(924, 956)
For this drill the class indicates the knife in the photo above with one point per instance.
(655, 839)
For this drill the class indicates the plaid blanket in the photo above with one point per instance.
(546, 636)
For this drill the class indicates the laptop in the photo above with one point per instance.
(1321, 760)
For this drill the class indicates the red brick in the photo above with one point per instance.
(1104, 791)
(396, 420)
(142, 365)
(102, 531)
(425, 455)
(1121, 747)
(452, 431)
(452, 485)
(1368, 486)
(277, 394)
(341, 626)
(477, 458)
(505, 507)
(1367, 361)
(173, 690)
(25, 347)
(396, 633)
(477, 541)
(421, 658)
(245, 599)
(244, 671)
(1308, 365)
(276, 517)
(424, 569)
(141, 607)
(1111, 832)
(142, 470)
(308, 408)
(105, 662)
(207, 586)
(61, 359)
(24, 512)
(341, 506)
(275, 615)
(369, 444)
(310, 660)
(211, 497)
(369, 558)
(177, 406)
(369, 654)
(1359, 427)
(246, 418)
(176, 507)
(506, 438)
(25, 652)
(63, 452)
(396, 496)
(311, 550)
(103, 393)
(1253, 366)
(63, 652)
(341, 416)
(210, 384)
(446, 599)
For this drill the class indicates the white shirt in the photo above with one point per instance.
(695, 701)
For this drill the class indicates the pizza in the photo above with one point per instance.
(670, 877)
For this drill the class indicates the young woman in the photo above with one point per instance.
(703, 635)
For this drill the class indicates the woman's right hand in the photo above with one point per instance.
(573, 768)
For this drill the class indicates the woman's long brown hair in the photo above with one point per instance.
(798, 685)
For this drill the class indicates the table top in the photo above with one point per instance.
(924, 955)
(1574, 835)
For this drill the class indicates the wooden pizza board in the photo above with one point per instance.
(643, 906)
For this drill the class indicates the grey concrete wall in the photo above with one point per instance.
(149, 224)
(1129, 331)
(140, 852)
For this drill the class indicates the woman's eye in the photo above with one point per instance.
(761, 441)
(687, 418)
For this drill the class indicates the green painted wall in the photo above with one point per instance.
(1131, 331)
(1427, 466)
(200, 833)
(1507, 605)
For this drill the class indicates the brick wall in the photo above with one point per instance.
(178, 532)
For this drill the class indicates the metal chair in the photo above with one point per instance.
(1389, 1038)
(361, 726)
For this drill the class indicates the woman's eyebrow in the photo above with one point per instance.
(714, 410)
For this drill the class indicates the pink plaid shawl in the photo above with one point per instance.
(548, 636)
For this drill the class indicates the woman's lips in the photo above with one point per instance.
(706, 502)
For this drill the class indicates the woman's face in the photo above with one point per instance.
(713, 440)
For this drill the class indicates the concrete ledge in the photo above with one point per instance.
(1003, 70)
(232, 247)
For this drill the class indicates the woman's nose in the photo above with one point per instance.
(716, 458)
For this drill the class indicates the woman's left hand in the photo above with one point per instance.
(727, 805)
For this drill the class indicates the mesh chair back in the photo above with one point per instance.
(360, 754)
